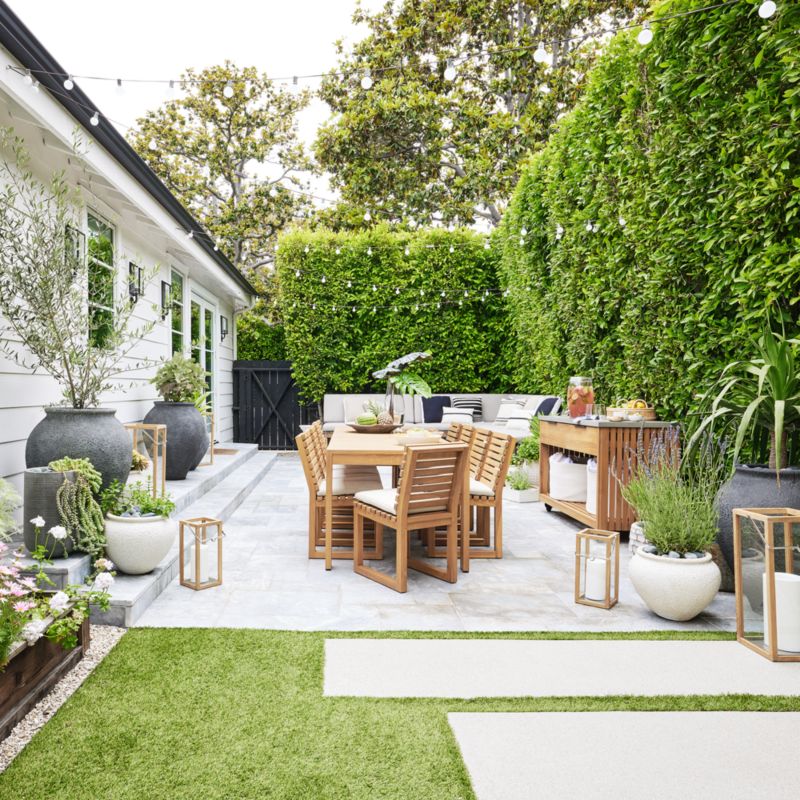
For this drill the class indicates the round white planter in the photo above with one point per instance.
(137, 544)
(675, 588)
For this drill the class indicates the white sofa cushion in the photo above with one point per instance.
(386, 500)
(520, 419)
(506, 410)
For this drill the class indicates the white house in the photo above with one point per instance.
(145, 225)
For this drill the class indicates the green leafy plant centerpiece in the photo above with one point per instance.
(399, 380)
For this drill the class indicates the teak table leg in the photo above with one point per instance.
(329, 512)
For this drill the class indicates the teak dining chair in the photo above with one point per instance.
(427, 496)
(490, 458)
(346, 482)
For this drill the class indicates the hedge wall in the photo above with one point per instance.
(257, 339)
(334, 348)
(684, 159)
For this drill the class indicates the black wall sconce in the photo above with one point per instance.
(166, 299)
(135, 287)
(223, 328)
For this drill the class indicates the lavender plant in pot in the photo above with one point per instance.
(674, 574)
(180, 382)
(44, 279)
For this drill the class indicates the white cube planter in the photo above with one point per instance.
(521, 495)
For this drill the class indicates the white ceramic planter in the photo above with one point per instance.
(675, 588)
(521, 495)
(532, 468)
(137, 544)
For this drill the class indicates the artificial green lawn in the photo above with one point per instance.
(199, 713)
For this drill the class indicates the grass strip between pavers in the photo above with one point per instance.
(222, 713)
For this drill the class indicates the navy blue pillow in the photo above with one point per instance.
(432, 407)
(546, 406)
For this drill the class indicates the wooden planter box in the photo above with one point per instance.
(31, 672)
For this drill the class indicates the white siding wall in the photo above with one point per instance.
(23, 393)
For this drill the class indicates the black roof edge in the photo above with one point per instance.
(30, 52)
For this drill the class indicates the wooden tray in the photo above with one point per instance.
(374, 428)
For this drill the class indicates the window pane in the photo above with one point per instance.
(176, 293)
(101, 241)
(195, 331)
(101, 278)
(177, 343)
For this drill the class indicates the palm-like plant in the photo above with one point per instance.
(403, 382)
(762, 394)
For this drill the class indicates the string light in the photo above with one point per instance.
(95, 119)
(323, 279)
(622, 222)
(450, 70)
(190, 235)
(645, 35)
(540, 55)
(69, 84)
(228, 90)
(407, 251)
(366, 79)
(367, 216)
(369, 251)
(374, 288)
(452, 249)
(559, 231)
(28, 78)
(152, 145)
(297, 273)
(767, 9)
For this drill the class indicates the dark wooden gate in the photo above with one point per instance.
(266, 406)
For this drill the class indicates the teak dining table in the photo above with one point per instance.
(379, 450)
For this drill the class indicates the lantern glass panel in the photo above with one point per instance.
(596, 568)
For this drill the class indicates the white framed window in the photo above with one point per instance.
(101, 279)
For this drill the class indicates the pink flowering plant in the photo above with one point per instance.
(29, 609)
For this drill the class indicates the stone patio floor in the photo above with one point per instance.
(268, 581)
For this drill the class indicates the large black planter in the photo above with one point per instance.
(187, 438)
(39, 493)
(93, 433)
(754, 486)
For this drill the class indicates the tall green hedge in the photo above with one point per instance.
(334, 348)
(685, 155)
(257, 339)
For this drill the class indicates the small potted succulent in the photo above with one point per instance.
(674, 573)
(181, 383)
(139, 532)
(519, 488)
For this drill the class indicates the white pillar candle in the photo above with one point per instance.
(787, 611)
(595, 588)
(205, 562)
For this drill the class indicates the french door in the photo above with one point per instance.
(203, 338)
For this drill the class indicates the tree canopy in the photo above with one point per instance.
(434, 110)
(228, 148)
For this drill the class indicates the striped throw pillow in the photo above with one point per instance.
(463, 415)
(473, 403)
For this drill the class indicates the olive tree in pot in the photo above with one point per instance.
(181, 383)
(674, 574)
(44, 282)
(759, 400)
(139, 532)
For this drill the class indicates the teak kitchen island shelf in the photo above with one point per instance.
(611, 443)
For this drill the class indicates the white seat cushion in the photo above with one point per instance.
(384, 499)
(351, 479)
(481, 489)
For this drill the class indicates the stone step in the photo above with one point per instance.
(132, 594)
(228, 458)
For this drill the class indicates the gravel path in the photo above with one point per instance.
(103, 639)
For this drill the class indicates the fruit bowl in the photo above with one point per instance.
(377, 428)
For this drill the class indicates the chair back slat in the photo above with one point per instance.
(312, 456)
(453, 433)
(495, 459)
(432, 478)
(477, 451)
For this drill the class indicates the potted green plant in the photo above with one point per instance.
(519, 488)
(44, 273)
(400, 381)
(139, 532)
(180, 382)
(758, 400)
(674, 574)
(526, 454)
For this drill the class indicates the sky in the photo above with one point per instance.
(161, 38)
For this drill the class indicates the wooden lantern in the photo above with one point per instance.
(203, 567)
(597, 568)
(767, 571)
(151, 441)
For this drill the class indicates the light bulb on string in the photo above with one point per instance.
(297, 273)
(314, 306)
(450, 70)
(367, 216)
(28, 78)
(452, 249)
(767, 9)
(273, 192)
(397, 291)
(324, 280)
(374, 309)
(333, 308)
(338, 251)
(540, 55)
(369, 251)
(522, 241)
(228, 90)
(438, 305)
(353, 309)
(306, 249)
(422, 293)
(36, 86)
(645, 35)
(589, 226)
(216, 247)
(461, 302)
(444, 294)
(466, 293)
(407, 251)
(374, 288)
(95, 119)
(622, 222)
(152, 145)
(559, 231)
(190, 235)
(366, 79)
(349, 284)
(69, 84)
(416, 308)
(523, 232)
